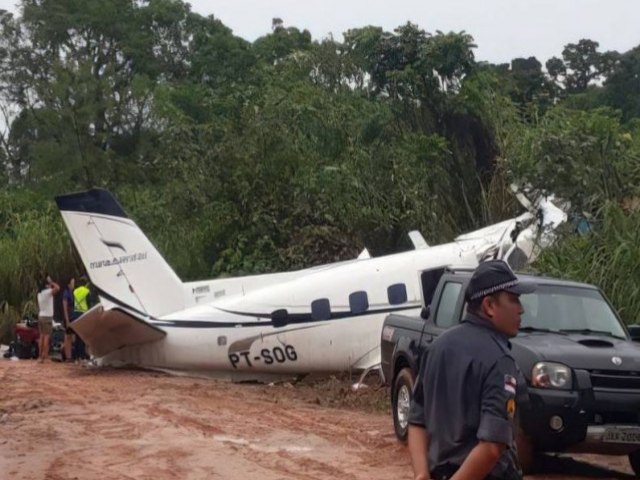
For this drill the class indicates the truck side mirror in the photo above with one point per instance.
(634, 331)
(425, 312)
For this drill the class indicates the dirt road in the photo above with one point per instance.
(61, 421)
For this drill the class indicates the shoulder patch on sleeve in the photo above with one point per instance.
(510, 384)
(511, 408)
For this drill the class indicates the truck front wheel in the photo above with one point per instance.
(402, 391)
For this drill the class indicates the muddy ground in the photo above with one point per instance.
(64, 421)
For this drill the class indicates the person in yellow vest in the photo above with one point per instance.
(81, 296)
(80, 305)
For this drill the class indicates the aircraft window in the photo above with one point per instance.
(447, 306)
(358, 302)
(397, 293)
(280, 317)
(321, 309)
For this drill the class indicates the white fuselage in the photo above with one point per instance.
(234, 331)
(327, 318)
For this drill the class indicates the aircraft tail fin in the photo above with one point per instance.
(125, 268)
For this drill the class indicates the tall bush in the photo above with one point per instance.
(608, 256)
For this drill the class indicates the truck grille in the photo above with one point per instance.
(614, 379)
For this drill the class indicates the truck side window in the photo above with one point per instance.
(321, 309)
(447, 306)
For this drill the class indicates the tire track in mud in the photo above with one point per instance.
(373, 441)
(62, 421)
(111, 424)
(257, 443)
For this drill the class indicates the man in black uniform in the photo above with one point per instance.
(461, 424)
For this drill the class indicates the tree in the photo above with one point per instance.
(582, 60)
(281, 42)
(216, 57)
(582, 156)
(85, 83)
(451, 56)
(623, 85)
(556, 69)
(530, 86)
(581, 65)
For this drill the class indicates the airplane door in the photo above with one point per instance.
(429, 281)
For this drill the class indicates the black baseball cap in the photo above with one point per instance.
(494, 276)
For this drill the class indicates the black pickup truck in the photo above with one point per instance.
(581, 364)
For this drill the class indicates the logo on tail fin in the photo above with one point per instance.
(113, 245)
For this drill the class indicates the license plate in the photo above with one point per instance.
(621, 435)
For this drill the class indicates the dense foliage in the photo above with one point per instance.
(240, 157)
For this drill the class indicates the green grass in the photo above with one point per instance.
(608, 257)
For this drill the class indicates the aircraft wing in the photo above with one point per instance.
(369, 360)
(105, 331)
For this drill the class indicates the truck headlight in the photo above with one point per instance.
(551, 375)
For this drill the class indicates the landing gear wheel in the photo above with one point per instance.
(401, 402)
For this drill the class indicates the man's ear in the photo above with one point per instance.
(488, 305)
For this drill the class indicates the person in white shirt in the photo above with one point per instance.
(47, 290)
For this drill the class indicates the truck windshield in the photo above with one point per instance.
(558, 308)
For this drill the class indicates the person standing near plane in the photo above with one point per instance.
(47, 290)
(69, 316)
(81, 305)
(461, 423)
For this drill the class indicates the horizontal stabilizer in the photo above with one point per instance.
(418, 240)
(105, 331)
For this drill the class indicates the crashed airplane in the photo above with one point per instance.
(321, 319)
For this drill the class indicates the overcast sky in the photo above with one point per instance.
(502, 29)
